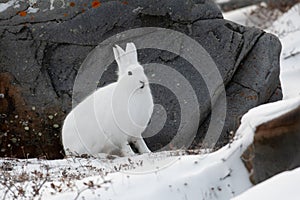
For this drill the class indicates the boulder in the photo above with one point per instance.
(276, 147)
(41, 53)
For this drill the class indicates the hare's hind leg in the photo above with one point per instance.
(141, 145)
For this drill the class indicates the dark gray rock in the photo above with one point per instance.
(276, 96)
(254, 82)
(42, 52)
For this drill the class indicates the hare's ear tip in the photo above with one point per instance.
(116, 47)
(115, 50)
(130, 47)
(130, 44)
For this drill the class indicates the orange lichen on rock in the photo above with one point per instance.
(125, 2)
(72, 4)
(96, 4)
(23, 13)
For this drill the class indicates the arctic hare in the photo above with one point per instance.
(113, 116)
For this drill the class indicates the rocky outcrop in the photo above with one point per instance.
(41, 53)
(276, 146)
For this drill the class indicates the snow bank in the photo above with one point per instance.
(282, 186)
(191, 177)
(164, 175)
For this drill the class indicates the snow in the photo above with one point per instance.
(221, 1)
(218, 175)
(282, 186)
(288, 30)
(4, 6)
(32, 10)
(165, 175)
(240, 16)
(189, 177)
(53, 1)
(287, 23)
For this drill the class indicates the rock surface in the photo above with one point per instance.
(41, 53)
(276, 146)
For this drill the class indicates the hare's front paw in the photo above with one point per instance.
(126, 150)
(141, 146)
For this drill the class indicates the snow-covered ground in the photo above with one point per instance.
(172, 175)
(281, 186)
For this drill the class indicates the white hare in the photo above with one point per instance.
(114, 115)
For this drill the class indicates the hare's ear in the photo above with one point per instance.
(119, 54)
(125, 58)
(131, 53)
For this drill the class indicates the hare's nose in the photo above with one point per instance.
(143, 84)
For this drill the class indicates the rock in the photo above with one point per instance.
(276, 96)
(42, 53)
(254, 82)
(276, 146)
(20, 125)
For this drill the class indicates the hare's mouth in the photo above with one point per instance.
(143, 84)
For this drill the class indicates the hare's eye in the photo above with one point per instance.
(129, 73)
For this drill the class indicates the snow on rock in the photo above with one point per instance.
(32, 5)
(32, 10)
(281, 186)
(221, 1)
(53, 1)
(4, 6)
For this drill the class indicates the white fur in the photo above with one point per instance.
(114, 115)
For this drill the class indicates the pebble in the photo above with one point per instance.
(55, 126)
